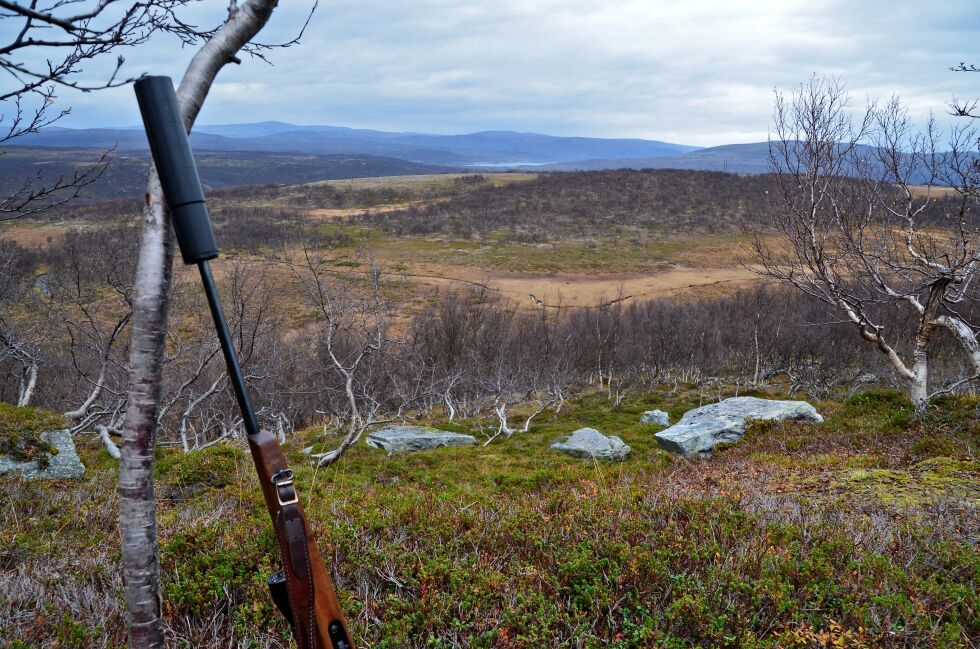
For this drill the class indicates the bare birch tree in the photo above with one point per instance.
(359, 371)
(137, 511)
(875, 212)
(964, 107)
(89, 293)
(195, 388)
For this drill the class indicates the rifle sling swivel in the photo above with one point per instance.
(294, 544)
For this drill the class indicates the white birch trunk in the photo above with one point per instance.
(107, 442)
(28, 383)
(919, 383)
(137, 512)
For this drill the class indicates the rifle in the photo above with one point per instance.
(302, 591)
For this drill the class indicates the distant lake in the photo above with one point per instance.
(508, 164)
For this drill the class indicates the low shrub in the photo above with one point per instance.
(513, 545)
(215, 466)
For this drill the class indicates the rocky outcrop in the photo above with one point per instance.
(404, 439)
(701, 429)
(54, 466)
(658, 417)
(591, 444)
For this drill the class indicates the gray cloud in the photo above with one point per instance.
(697, 72)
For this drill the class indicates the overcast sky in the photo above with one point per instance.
(689, 71)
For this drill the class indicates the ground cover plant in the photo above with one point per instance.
(861, 532)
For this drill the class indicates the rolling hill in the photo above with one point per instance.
(488, 148)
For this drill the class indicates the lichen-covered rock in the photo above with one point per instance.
(658, 417)
(591, 444)
(701, 429)
(403, 439)
(53, 466)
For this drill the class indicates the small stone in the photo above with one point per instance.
(658, 417)
(591, 444)
(404, 439)
(60, 466)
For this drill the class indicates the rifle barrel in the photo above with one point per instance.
(228, 349)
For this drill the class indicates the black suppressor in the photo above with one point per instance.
(175, 165)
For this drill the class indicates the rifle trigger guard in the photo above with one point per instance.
(283, 482)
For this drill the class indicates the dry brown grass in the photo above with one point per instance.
(32, 235)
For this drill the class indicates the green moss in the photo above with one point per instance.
(951, 476)
(933, 445)
(929, 480)
(20, 429)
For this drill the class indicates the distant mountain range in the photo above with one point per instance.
(282, 153)
(488, 148)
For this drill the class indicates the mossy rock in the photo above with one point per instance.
(20, 433)
(63, 464)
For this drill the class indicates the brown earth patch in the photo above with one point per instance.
(581, 290)
(32, 236)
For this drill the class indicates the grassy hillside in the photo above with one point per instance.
(861, 532)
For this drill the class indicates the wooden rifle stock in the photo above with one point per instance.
(269, 459)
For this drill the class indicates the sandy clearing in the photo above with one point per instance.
(921, 191)
(573, 289)
(335, 213)
(33, 236)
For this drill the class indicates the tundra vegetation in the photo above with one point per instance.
(357, 303)
(857, 533)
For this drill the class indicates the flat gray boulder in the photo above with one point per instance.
(701, 429)
(60, 466)
(404, 439)
(658, 417)
(591, 444)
